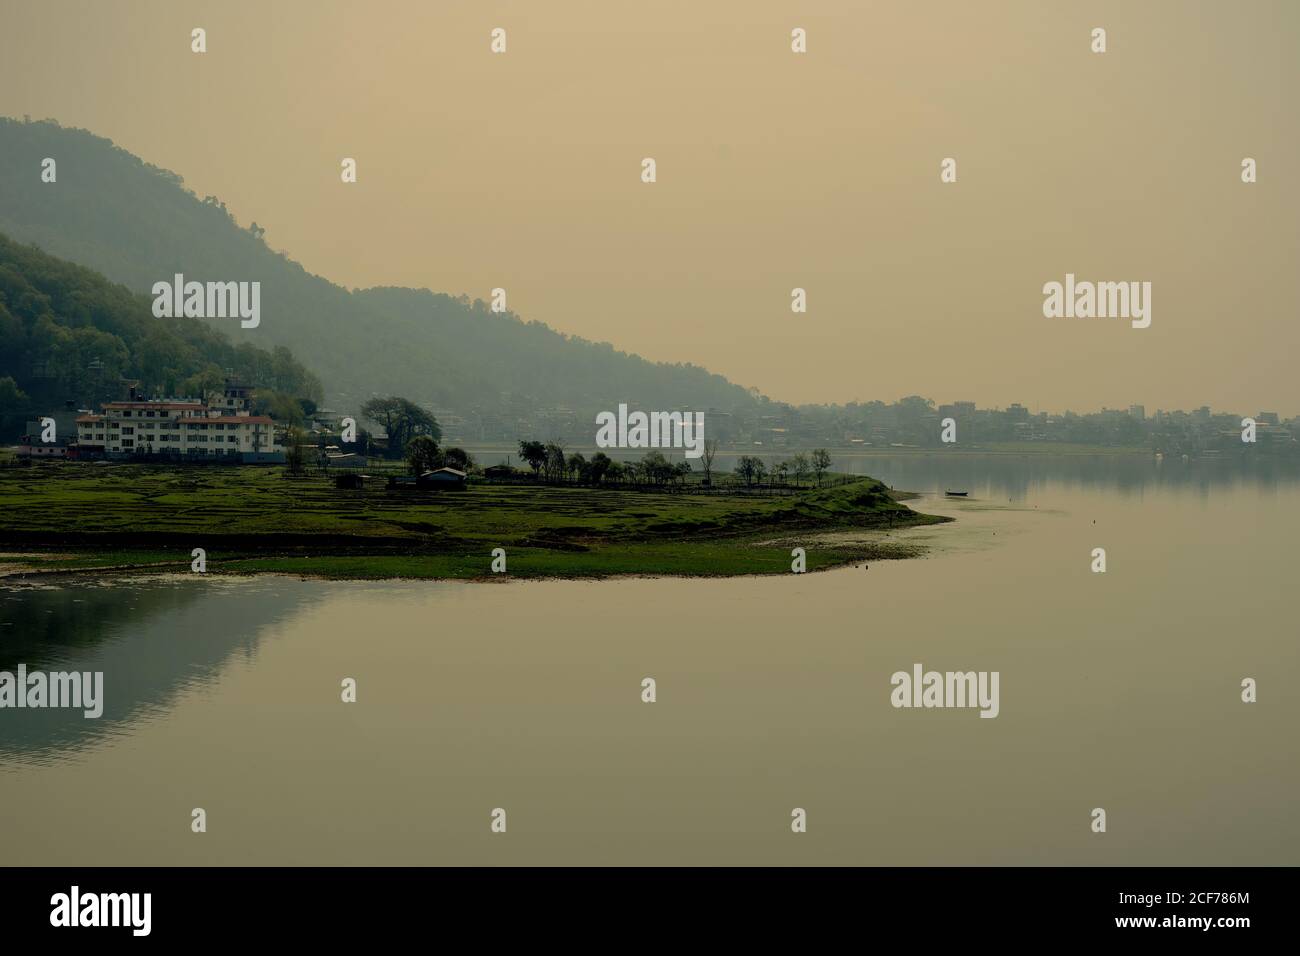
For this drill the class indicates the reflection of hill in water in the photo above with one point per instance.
(1014, 476)
(151, 639)
(42, 626)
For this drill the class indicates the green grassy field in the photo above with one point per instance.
(64, 516)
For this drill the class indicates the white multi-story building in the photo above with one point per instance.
(216, 429)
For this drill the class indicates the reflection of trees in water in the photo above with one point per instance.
(1014, 476)
(152, 640)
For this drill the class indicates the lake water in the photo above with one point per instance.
(1119, 690)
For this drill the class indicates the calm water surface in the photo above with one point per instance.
(1118, 690)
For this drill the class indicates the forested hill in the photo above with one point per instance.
(138, 225)
(67, 334)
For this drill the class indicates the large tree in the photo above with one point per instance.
(533, 452)
(423, 454)
(402, 420)
(598, 467)
(800, 467)
(656, 468)
(12, 398)
(821, 462)
(555, 461)
(293, 455)
(710, 449)
(458, 458)
(750, 469)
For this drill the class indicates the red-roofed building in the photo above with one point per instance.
(216, 429)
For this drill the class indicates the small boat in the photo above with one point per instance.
(956, 494)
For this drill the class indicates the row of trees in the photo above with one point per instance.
(550, 463)
(422, 454)
(752, 470)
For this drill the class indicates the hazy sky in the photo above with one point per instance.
(775, 170)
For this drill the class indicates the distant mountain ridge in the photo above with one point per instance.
(138, 225)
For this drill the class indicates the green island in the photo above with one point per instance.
(68, 517)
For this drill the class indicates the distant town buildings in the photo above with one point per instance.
(223, 428)
(913, 422)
